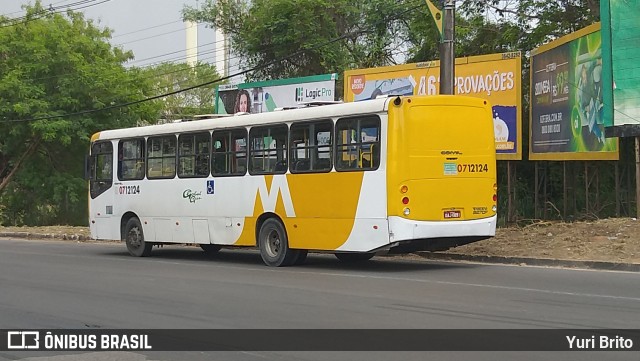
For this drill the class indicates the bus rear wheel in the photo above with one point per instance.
(354, 257)
(134, 238)
(274, 245)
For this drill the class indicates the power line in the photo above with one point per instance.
(26, 19)
(115, 106)
(213, 81)
(21, 11)
(148, 28)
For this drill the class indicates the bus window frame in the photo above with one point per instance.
(97, 186)
(312, 147)
(139, 161)
(229, 132)
(357, 144)
(175, 156)
(251, 150)
(194, 155)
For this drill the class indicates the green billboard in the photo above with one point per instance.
(566, 121)
(621, 71)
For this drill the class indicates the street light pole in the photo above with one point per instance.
(447, 51)
(446, 28)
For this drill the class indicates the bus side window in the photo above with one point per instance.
(358, 143)
(310, 146)
(131, 159)
(193, 155)
(161, 157)
(229, 152)
(268, 149)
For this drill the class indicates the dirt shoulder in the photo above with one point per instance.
(615, 240)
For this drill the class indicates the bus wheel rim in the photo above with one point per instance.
(134, 238)
(273, 244)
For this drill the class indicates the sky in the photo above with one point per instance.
(152, 29)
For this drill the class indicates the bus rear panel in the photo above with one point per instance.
(441, 172)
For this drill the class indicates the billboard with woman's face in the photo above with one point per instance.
(266, 96)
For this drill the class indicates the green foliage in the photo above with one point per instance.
(266, 31)
(170, 77)
(60, 64)
(56, 65)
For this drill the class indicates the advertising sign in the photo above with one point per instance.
(495, 77)
(621, 66)
(567, 100)
(266, 96)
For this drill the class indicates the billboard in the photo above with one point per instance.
(495, 77)
(265, 96)
(566, 120)
(621, 66)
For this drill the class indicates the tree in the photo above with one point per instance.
(53, 66)
(266, 33)
(169, 77)
(539, 21)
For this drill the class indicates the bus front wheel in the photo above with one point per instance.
(274, 245)
(134, 238)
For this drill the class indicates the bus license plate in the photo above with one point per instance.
(451, 214)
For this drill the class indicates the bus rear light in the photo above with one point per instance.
(404, 189)
(495, 198)
(495, 186)
(405, 200)
(494, 208)
(406, 211)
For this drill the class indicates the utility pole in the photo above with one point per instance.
(446, 25)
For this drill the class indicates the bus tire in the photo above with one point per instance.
(274, 245)
(134, 239)
(210, 249)
(354, 257)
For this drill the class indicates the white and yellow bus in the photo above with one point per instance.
(391, 175)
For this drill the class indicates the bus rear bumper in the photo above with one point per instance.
(410, 235)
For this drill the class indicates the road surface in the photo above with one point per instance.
(71, 285)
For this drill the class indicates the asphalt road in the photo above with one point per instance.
(51, 284)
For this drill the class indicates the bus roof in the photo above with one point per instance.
(308, 113)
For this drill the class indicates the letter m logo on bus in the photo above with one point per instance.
(269, 195)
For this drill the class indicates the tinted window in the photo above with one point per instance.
(193, 155)
(161, 157)
(229, 152)
(268, 149)
(358, 143)
(310, 147)
(131, 159)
